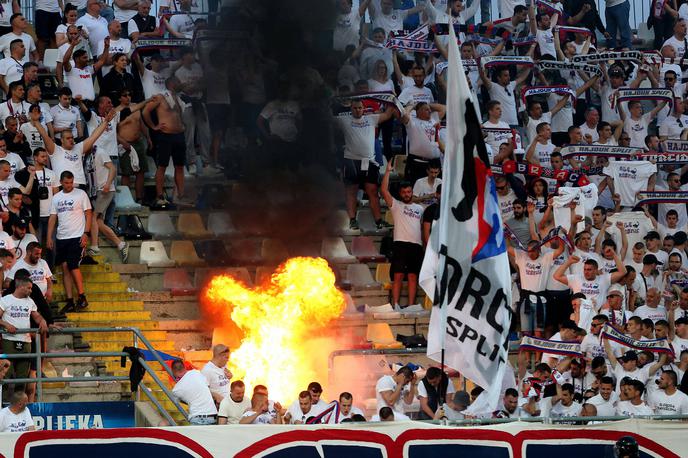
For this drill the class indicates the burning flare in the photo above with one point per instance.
(279, 320)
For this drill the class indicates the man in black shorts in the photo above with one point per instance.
(407, 252)
(167, 135)
(360, 168)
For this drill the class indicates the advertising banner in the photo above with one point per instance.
(82, 415)
(657, 439)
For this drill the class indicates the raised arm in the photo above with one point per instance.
(88, 143)
(620, 267)
(610, 353)
(103, 58)
(49, 143)
(384, 187)
(560, 273)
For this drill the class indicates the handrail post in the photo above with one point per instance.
(162, 386)
(39, 369)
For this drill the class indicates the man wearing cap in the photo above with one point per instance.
(593, 285)
(21, 237)
(609, 85)
(613, 309)
(627, 365)
(652, 309)
(649, 277)
(654, 246)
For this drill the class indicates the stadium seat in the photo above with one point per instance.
(178, 282)
(366, 222)
(360, 278)
(183, 253)
(153, 254)
(273, 250)
(334, 250)
(383, 274)
(160, 225)
(131, 227)
(50, 59)
(646, 35)
(191, 225)
(246, 252)
(204, 275)
(380, 335)
(364, 249)
(213, 196)
(350, 305)
(338, 224)
(220, 224)
(124, 201)
(213, 252)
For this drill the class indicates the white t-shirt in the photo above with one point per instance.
(97, 28)
(11, 69)
(559, 410)
(391, 22)
(218, 381)
(423, 393)
(71, 160)
(422, 188)
(359, 136)
(663, 404)
(592, 347)
(282, 117)
(607, 96)
(346, 30)
(593, 289)
(15, 423)
(413, 95)
(8, 38)
(629, 409)
(122, 15)
(422, 136)
(506, 205)
(636, 225)
(40, 272)
(544, 152)
(32, 136)
(545, 41)
(630, 177)
(655, 314)
(70, 209)
(233, 411)
(81, 82)
(107, 142)
(16, 164)
(192, 389)
(298, 415)
(354, 411)
(17, 312)
(637, 129)
(585, 130)
(262, 419)
(507, 98)
(153, 83)
(531, 126)
(47, 178)
(65, 117)
(494, 139)
(640, 373)
(133, 27)
(6, 241)
(182, 23)
(22, 243)
(534, 274)
(407, 222)
(387, 383)
(102, 172)
(605, 408)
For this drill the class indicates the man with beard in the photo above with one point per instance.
(408, 246)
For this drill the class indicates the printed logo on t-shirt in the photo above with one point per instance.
(628, 172)
(72, 157)
(21, 311)
(631, 227)
(412, 212)
(66, 205)
(590, 288)
(533, 269)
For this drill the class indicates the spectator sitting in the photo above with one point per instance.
(461, 401)
(16, 418)
(346, 408)
(259, 413)
(234, 405)
(191, 387)
(387, 414)
(303, 410)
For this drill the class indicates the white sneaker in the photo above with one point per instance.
(413, 308)
(209, 170)
(184, 201)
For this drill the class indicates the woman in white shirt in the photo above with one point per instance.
(380, 81)
(70, 17)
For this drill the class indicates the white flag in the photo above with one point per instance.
(466, 268)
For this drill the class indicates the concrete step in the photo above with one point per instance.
(114, 306)
(147, 325)
(117, 336)
(96, 277)
(162, 345)
(96, 287)
(98, 296)
(187, 310)
(118, 317)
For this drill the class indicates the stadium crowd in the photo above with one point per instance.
(585, 249)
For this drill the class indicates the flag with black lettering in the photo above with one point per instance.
(466, 269)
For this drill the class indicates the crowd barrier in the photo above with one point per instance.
(657, 439)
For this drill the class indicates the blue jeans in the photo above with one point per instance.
(617, 21)
(200, 421)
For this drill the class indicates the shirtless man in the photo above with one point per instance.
(132, 133)
(168, 138)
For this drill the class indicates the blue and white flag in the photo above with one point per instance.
(466, 268)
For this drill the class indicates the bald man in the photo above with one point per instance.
(217, 374)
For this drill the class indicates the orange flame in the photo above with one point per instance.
(277, 319)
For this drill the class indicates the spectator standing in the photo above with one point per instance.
(70, 219)
(47, 17)
(19, 26)
(124, 11)
(191, 388)
(80, 76)
(217, 374)
(423, 132)
(180, 25)
(118, 80)
(11, 68)
(134, 139)
(433, 391)
(16, 311)
(408, 241)
(153, 79)
(346, 407)
(5, 15)
(118, 44)
(66, 116)
(142, 24)
(299, 412)
(95, 25)
(668, 400)
(234, 405)
(393, 391)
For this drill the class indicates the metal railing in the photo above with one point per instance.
(137, 336)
